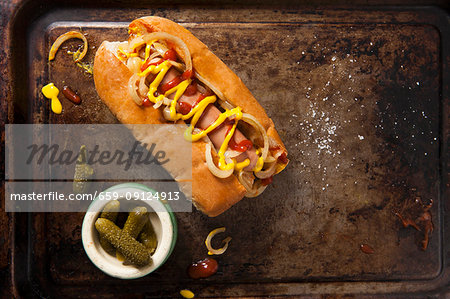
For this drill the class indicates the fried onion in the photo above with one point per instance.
(226, 241)
(66, 36)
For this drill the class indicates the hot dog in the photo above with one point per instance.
(164, 74)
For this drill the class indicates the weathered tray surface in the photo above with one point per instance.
(360, 98)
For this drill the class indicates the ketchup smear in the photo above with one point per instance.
(202, 269)
(184, 108)
(177, 80)
(169, 85)
(242, 146)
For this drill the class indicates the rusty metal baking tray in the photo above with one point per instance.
(360, 98)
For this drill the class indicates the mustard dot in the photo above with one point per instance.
(187, 294)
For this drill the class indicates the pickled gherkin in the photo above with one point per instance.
(107, 246)
(133, 225)
(120, 257)
(83, 172)
(110, 212)
(137, 218)
(133, 251)
(148, 237)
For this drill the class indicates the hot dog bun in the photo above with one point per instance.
(210, 194)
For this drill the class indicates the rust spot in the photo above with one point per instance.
(407, 222)
(423, 223)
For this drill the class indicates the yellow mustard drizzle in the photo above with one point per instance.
(259, 165)
(147, 51)
(241, 165)
(133, 30)
(260, 162)
(196, 112)
(222, 163)
(179, 90)
(51, 92)
(127, 54)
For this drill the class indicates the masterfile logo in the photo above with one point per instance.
(137, 155)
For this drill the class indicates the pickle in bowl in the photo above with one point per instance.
(135, 242)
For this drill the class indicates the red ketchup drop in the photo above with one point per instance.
(202, 269)
(367, 249)
(283, 158)
(170, 55)
(242, 146)
(184, 108)
(187, 74)
(146, 102)
(191, 89)
(267, 181)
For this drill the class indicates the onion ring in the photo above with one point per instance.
(269, 159)
(160, 48)
(247, 181)
(212, 167)
(177, 65)
(255, 191)
(218, 93)
(165, 101)
(231, 154)
(134, 43)
(66, 36)
(264, 174)
(172, 38)
(132, 89)
(225, 104)
(143, 88)
(226, 241)
(251, 120)
(153, 56)
(158, 104)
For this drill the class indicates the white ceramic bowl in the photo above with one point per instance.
(163, 221)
